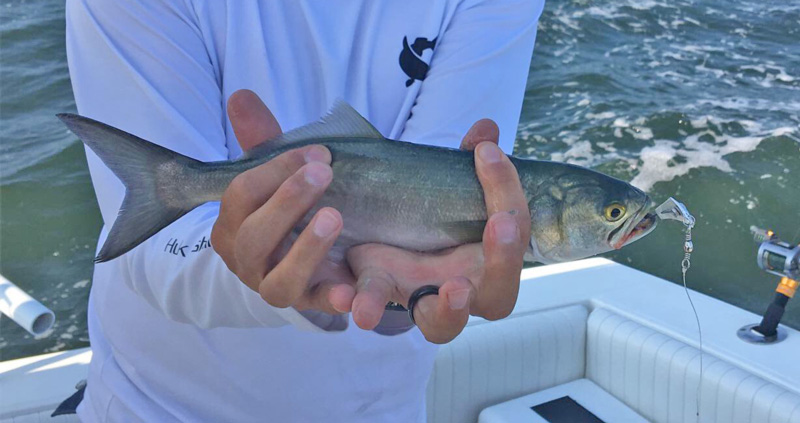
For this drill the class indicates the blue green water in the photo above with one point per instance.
(694, 99)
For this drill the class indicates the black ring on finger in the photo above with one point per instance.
(417, 295)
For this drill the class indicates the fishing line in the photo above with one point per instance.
(686, 263)
(673, 209)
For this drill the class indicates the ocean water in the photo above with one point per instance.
(694, 99)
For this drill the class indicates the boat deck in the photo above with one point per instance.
(592, 324)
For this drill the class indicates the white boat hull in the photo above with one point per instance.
(628, 333)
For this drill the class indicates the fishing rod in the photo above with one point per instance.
(782, 259)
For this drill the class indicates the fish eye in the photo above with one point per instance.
(614, 212)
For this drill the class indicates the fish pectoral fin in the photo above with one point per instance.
(464, 231)
(342, 121)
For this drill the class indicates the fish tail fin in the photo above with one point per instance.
(152, 199)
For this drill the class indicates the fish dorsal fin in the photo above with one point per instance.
(342, 121)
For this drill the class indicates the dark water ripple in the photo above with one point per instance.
(48, 217)
(699, 100)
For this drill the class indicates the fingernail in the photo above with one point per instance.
(482, 130)
(472, 132)
(369, 315)
(506, 229)
(325, 224)
(489, 152)
(316, 154)
(458, 299)
(317, 175)
(341, 304)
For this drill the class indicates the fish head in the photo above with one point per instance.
(580, 213)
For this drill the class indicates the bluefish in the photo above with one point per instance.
(411, 196)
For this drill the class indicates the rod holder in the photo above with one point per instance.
(768, 331)
(749, 334)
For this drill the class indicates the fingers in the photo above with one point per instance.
(340, 297)
(252, 121)
(288, 280)
(372, 265)
(261, 207)
(506, 234)
(332, 289)
(442, 317)
(263, 230)
(482, 130)
(499, 179)
(502, 265)
(250, 190)
(374, 291)
(331, 298)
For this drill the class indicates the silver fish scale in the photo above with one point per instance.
(393, 193)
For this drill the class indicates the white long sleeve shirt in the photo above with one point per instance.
(176, 336)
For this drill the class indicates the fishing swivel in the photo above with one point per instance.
(673, 209)
(688, 247)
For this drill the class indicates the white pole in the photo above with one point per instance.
(26, 311)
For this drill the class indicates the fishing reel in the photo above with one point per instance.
(781, 259)
(775, 256)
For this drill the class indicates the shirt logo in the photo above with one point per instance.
(411, 59)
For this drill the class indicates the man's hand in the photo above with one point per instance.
(479, 279)
(262, 206)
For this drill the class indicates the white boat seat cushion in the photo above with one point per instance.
(492, 363)
(584, 392)
(657, 376)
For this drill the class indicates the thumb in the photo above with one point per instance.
(482, 130)
(252, 121)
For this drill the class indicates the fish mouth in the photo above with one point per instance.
(633, 228)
